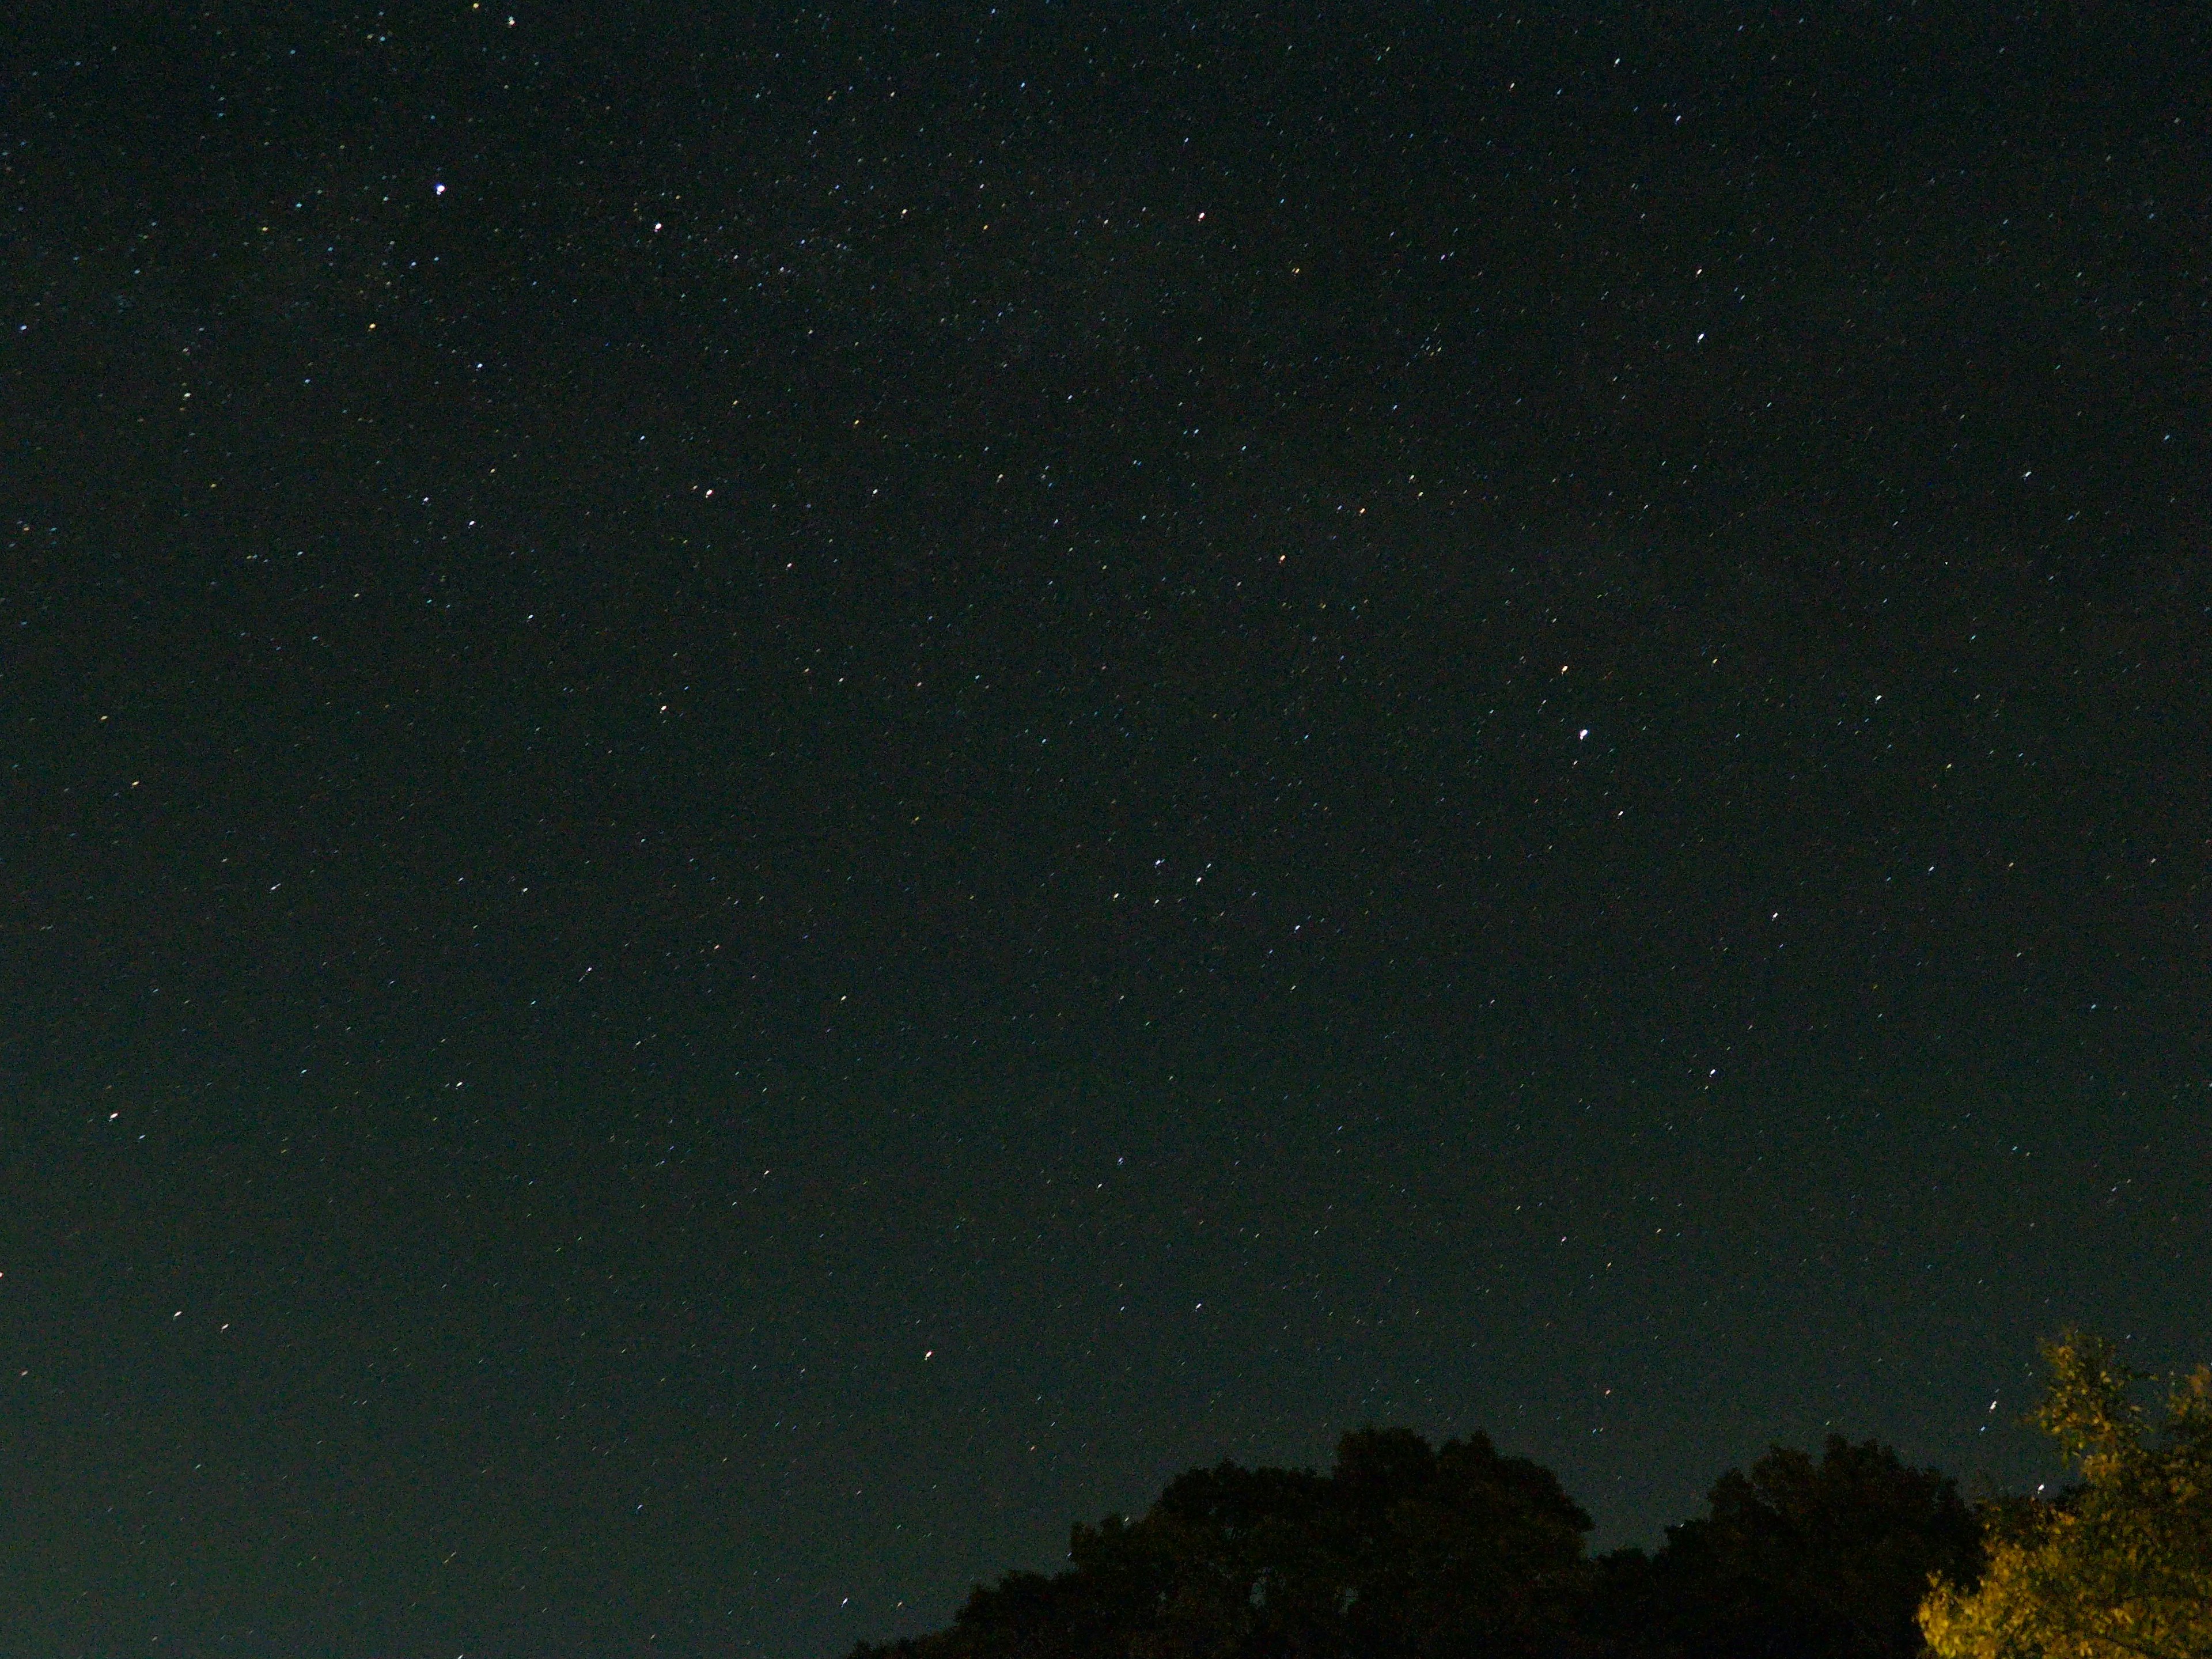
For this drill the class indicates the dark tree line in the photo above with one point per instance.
(1407, 1551)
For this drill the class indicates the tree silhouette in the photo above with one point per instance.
(1407, 1551)
(1824, 1559)
(1403, 1551)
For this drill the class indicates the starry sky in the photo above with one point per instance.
(788, 790)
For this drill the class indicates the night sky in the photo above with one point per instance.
(788, 791)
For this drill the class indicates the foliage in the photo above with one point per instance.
(1402, 1552)
(1824, 1559)
(2118, 1568)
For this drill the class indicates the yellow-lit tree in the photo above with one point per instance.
(2120, 1567)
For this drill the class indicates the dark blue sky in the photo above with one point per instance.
(785, 798)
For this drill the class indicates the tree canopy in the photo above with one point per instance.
(2118, 1567)
(1402, 1552)
(1823, 1559)
(1405, 1551)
